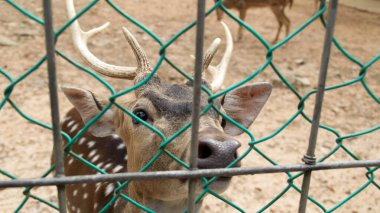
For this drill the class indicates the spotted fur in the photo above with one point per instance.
(107, 153)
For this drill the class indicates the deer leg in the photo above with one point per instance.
(316, 5)
(287, 22)
(277, 12)
(219, 14)
(242, 15)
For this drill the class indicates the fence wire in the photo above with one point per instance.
(361, 79)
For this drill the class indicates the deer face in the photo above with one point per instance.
(167, 107)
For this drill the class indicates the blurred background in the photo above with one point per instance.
(25, 148)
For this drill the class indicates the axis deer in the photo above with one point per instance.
(117, 143)
(317, 4)
(277, 7)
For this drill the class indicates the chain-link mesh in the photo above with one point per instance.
(361, 79)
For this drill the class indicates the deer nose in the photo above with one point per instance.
(216, 154)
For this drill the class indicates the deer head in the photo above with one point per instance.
(167, 107)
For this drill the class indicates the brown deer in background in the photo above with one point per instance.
(316, 4)
(277, 7)
(117, 143)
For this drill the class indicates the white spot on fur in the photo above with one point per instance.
(107, 166)
(81, 141)
(96, 205)
(100, 165)
(117, 168)
(67, 119)
(85, 195)
(78, 211)
(97, 186)
(80, 155)
(110, 187)
(117, 203)
(90, 144)
(75, 127)
(121, 146)
(115, 136)
(92, 153)
(96, 157)
(84, 185)
(70, 123)
(75, 192)
(126, 158)
(73, 208)
(71, 161)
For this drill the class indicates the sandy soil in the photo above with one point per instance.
(25, 148)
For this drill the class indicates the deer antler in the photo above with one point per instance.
(210, 53)
(218, 72)
(81, 38)
(143, 64)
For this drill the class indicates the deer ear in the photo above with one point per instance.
(88, 107)
(244, 104)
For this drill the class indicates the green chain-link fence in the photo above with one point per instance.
(361, 79)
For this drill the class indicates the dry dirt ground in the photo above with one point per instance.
(25, 148)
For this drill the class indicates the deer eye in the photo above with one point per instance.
(141, 114)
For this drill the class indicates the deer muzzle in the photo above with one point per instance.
(213, 153)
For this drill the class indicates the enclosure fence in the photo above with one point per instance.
(123, 179)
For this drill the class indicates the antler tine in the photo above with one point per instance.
(80, 39)
(143, 65)
(218, 72)
(210, 53)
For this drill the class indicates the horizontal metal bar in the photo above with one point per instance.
(225, 172)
